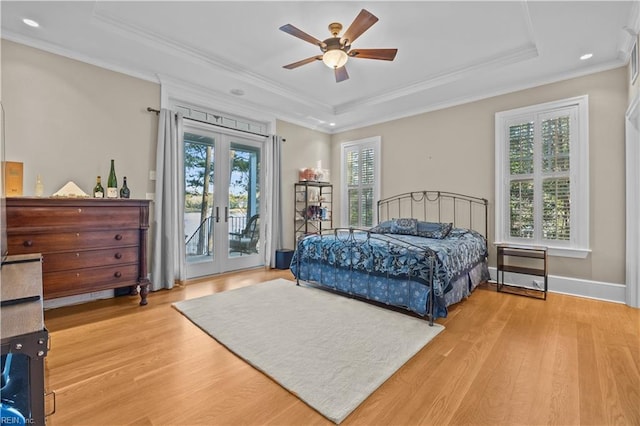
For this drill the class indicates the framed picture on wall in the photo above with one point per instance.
(634, 62)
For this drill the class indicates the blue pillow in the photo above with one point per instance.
(433, 229)
(382, 228)
(404, 226)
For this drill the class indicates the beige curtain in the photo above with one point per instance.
(272, 199)
(168, 248)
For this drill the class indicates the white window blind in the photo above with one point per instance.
(360, 169)
(542, 177)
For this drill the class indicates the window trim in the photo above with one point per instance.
(375, 141)
(578, 246)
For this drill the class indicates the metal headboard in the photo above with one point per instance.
(464, 211)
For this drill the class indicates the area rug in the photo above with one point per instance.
(330, 351)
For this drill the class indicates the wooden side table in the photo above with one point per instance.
(536, 265)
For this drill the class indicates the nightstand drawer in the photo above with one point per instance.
(53, 262)
(65, 283)
(78, 216)
(63, 241)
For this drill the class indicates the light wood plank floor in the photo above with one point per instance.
(502, 359)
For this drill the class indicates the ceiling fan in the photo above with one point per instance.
(337, 50)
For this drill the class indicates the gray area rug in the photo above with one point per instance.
(330, 351)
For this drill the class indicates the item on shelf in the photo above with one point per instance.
(70, 190)
(310, 174)
(39, 191)
(98, 190)
(13, 178)
(112, 183)
(124, 191)
(306, 175)
(322, 175)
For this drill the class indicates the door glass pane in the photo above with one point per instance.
(244, 200)
(198, 196)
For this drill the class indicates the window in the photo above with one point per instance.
(360, 177)
(542, 176)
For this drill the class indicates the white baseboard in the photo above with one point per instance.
(598, 290)
(80, 298)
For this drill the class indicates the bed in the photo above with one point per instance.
(426, 243)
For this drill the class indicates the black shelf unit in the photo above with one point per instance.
(536, 265)
(313, 208)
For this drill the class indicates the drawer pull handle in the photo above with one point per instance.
(77, 254)
(118, 237)
(28, 243)
(79, 210)
(77, 274)
(118, 255)
(78, 234)
(118, 274)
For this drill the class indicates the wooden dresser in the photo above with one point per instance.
(87, 244)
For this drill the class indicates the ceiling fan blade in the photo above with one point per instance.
(341, 74)
(303, 62)
(382, 54)
(290, 29)
(363, 21)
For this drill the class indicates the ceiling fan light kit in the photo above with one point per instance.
(335, 58)
(337, 50)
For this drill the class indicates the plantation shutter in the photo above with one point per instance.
(360, 179)
(539, 176)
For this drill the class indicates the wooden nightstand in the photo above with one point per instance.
(536, 265)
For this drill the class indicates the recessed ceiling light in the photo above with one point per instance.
(332, 124)
(31, 22)
(586, 56)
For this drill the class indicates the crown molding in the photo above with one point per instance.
(485, 95)
(158, 41)
(61, 51)
(527, 50)
(629, 33)
(502, 59)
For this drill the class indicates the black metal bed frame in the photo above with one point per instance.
(437, 206)
(422, 205)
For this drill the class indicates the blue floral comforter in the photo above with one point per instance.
(390, 268)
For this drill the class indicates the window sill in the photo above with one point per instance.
(575, 253)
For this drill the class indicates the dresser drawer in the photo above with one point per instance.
(67, 283)
(76, 216)
(64, 241)
(52, 262)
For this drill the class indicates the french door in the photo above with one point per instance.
(222, 200)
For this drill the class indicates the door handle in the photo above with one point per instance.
(217, 214)
(226, 214)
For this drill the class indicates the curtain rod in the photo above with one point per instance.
(157, 111)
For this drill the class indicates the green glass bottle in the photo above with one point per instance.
(98, 191)
(124, 191)
(112, 183)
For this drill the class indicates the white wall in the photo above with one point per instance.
(453, 150)
(65, 120)
(303, 148)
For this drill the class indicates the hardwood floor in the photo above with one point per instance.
(502, 359)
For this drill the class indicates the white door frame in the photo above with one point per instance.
(632, 269)
(221, 261)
